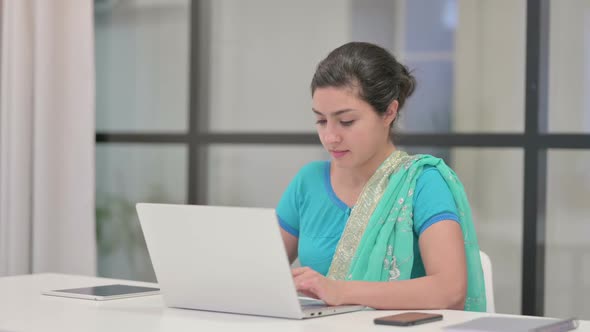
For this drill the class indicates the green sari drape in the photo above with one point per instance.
(378, 240)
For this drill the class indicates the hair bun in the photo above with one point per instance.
(407, 85)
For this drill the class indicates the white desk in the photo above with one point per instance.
(23, 308)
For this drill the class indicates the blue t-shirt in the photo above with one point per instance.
(310, 210)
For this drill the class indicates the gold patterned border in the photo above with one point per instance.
(361, 214)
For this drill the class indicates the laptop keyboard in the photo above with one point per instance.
(311, 303)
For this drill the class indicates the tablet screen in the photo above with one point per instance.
(108, 290)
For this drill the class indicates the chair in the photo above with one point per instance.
(486, 265)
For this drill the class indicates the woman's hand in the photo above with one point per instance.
(313, 284)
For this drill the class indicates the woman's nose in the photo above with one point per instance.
(331, 136)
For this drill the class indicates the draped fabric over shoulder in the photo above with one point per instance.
(378, 240)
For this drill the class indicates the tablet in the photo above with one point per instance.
(106, 292)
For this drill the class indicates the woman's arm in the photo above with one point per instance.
(291, 242)
(443, 287)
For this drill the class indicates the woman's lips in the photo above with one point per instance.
(338, 154)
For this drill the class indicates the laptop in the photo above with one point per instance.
(225, 259)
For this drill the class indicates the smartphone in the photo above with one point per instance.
(408, 319)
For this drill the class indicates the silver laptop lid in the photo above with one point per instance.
(227, 259)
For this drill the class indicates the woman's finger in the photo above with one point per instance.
(299, 271)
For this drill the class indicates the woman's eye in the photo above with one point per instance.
(321, 122)
(347, 123)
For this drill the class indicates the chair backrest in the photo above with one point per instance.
(486, 265)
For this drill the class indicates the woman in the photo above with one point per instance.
(374, 225)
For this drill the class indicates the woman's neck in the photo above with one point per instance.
(357, 177)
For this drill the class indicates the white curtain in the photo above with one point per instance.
(47, 137)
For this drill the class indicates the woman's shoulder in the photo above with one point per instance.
(310, 176)
(427, 159)
(430, 163)
(313, 169)
(429, 174)
(434, 170)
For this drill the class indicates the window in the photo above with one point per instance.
(493, 100)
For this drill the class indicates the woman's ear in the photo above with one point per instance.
(391, 113)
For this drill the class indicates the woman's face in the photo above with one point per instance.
(349, 128)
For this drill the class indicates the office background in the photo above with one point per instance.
(208, 102)
(234, 128)
(47, 137)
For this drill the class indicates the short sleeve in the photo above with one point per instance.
(433, 200)
(288, 207)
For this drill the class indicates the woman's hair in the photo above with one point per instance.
(377, 76)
